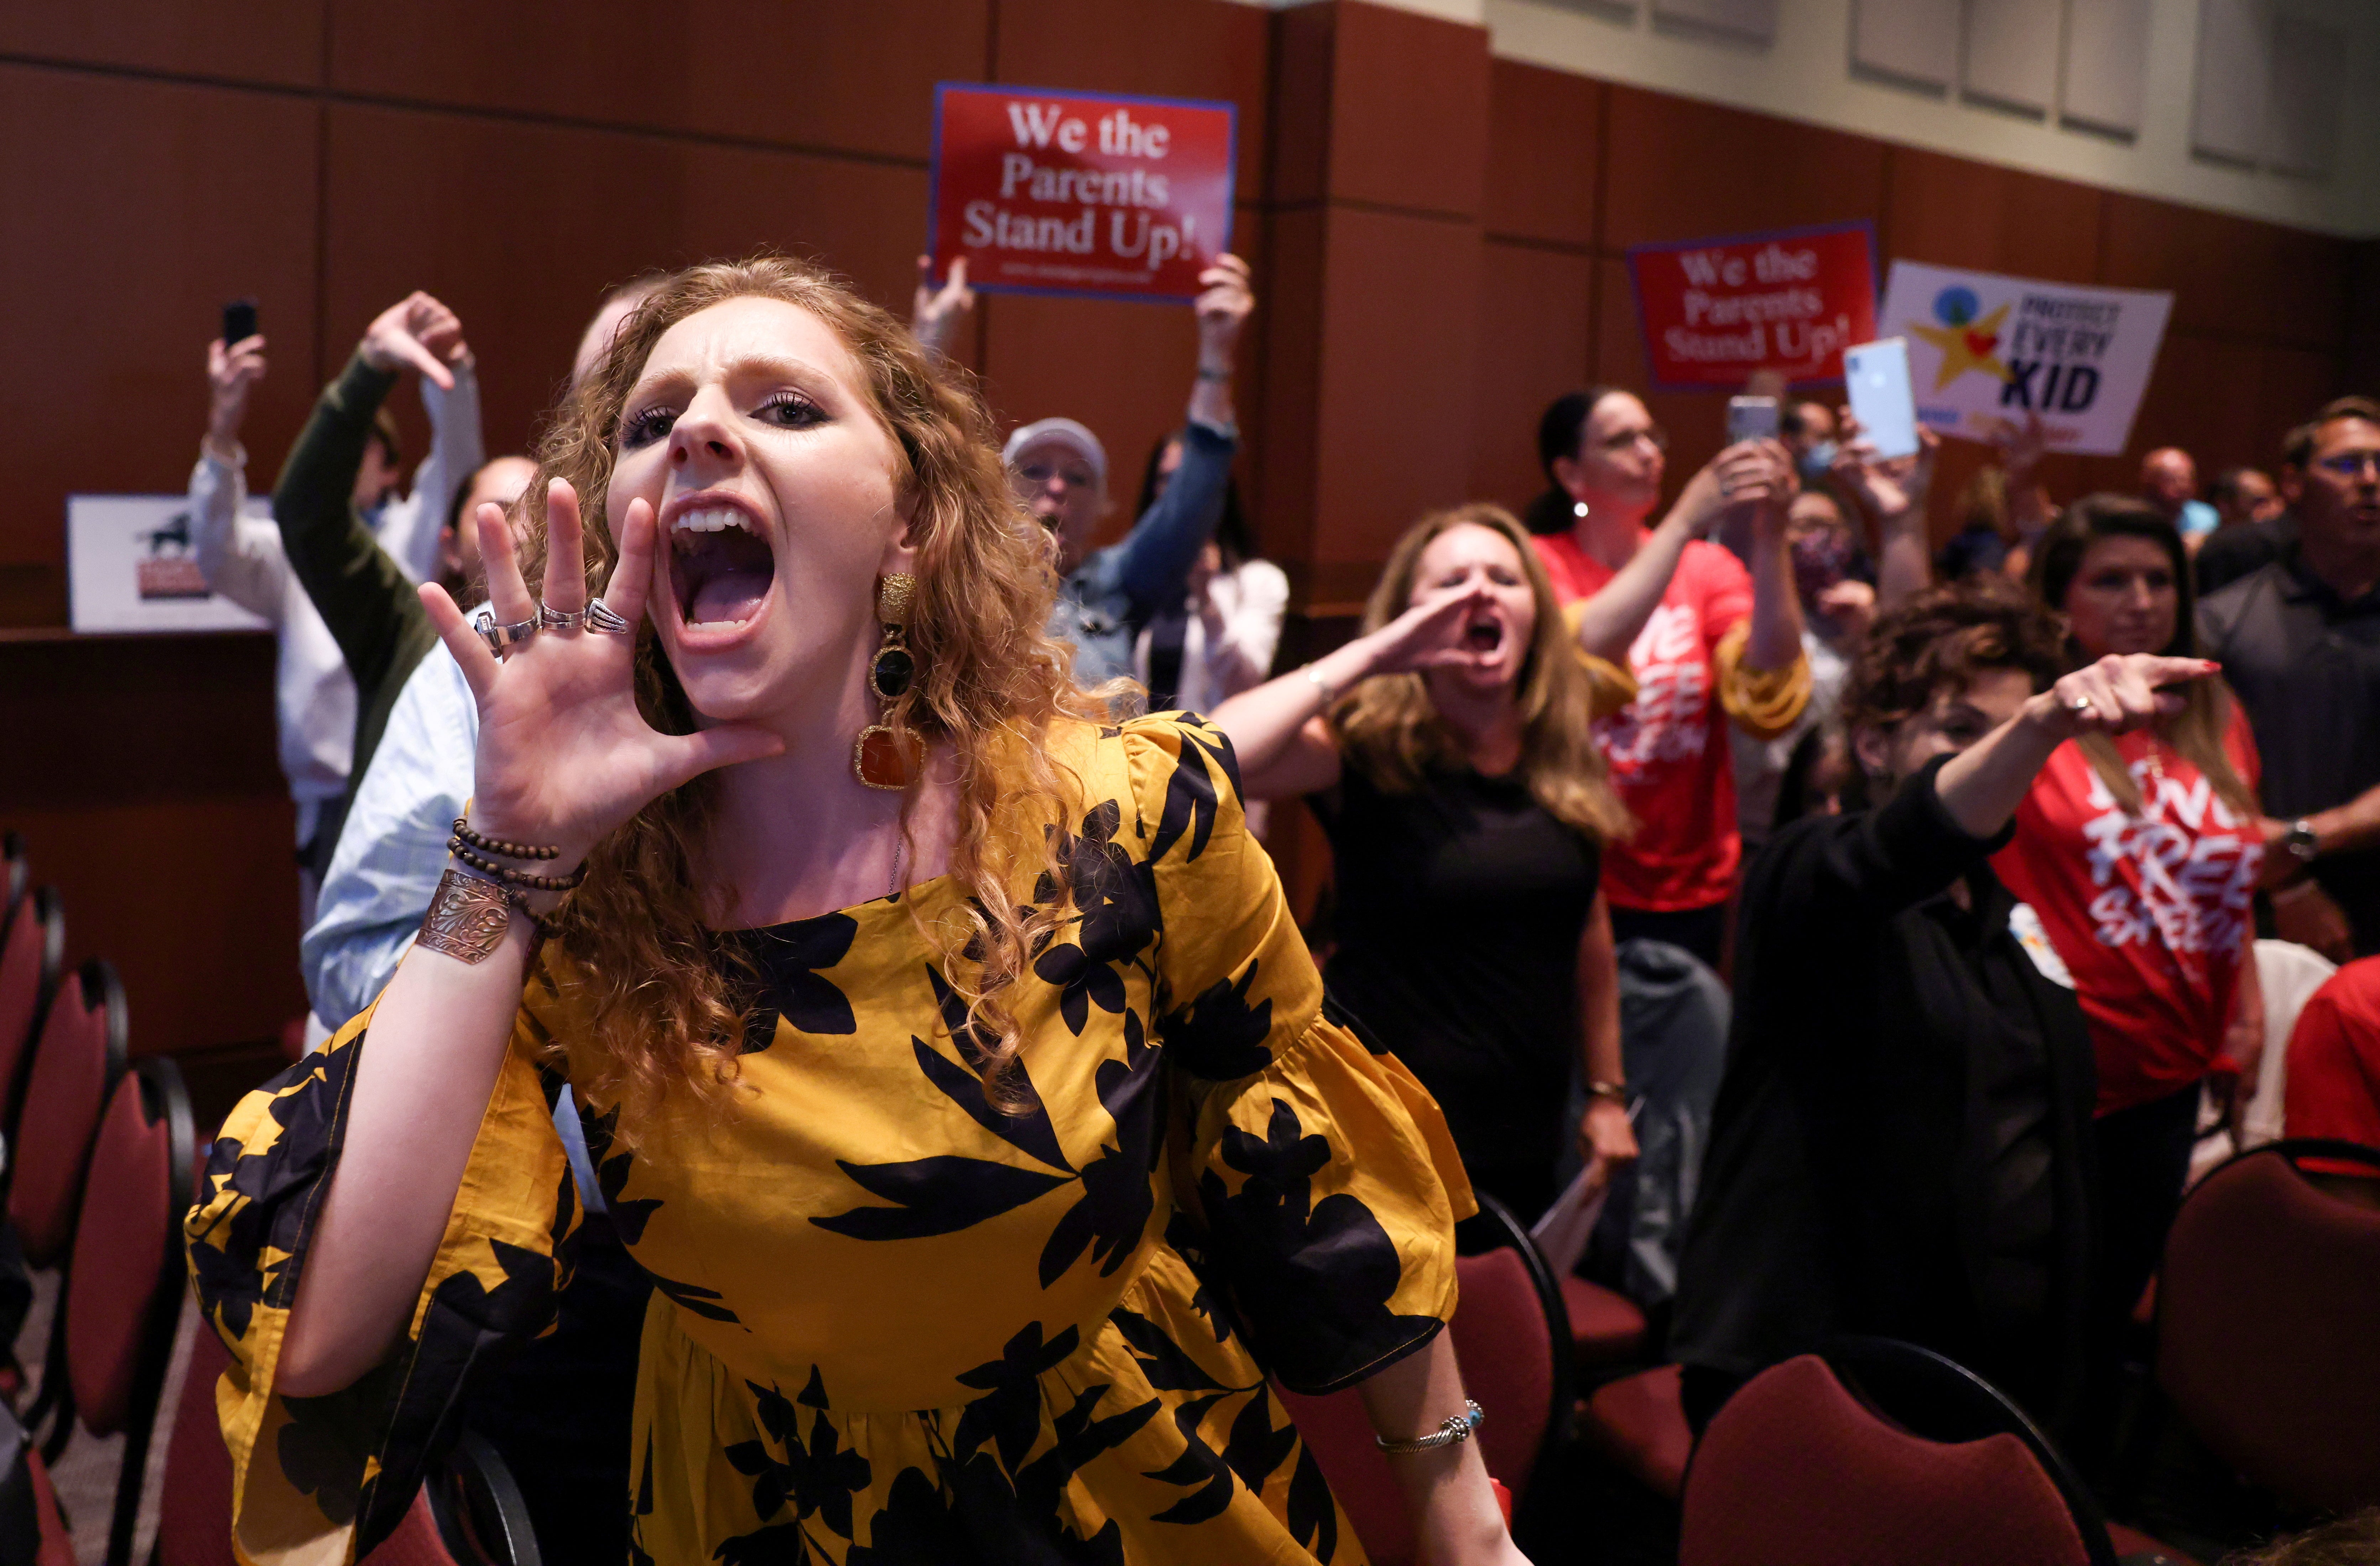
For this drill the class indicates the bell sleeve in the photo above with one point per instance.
(1319, 1180)
(324, 1479)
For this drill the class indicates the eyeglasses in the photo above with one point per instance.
(1040, 474)
(1626, 438)
(2350, 464)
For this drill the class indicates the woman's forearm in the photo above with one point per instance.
(1447, 1491)
(1776, 639)
(1599, 994)
(1265, 724)
(422, 1084)
(1610, 622)
(1982, 786)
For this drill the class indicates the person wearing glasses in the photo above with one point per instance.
(1060, 471)
(2298, 640)
(1703, 637)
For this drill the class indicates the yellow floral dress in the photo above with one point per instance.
(893, 1322)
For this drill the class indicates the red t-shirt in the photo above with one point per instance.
(2334, 1064)
(2152, 913)
(1667, 748)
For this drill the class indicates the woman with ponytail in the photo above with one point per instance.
(1703, 638)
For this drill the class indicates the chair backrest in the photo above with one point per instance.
(194, 1507)
(123, 1286)
(1795, 1468)
(1512, 1340)
(2265, 1342)
(2288, 974)
(32, 954)
(76, 1063)
(16, 875)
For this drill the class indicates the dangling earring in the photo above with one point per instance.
(886, 756)
(1578, 510)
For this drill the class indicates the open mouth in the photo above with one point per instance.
(1484, 636)
(721, 565)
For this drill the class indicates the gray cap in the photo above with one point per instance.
(1064, 432)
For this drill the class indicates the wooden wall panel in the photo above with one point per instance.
(1537, 331)
(277, 42)
(155, 203)
(1408, 111)
(2232, 278)
(1160, 48)
(527, 224)
(1678, 169)
(1389, 445)
(2293, 384)
(808, 73)
(141, 771)
(1952, 212)
(1545, 154)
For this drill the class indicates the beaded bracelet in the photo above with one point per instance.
(498, 846)
(510, 876)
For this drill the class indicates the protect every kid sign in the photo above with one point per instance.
(1080, 192)
(1713, 311)
(1984, 352)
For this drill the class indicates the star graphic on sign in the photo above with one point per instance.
(1966, 345)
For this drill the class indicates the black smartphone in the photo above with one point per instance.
(239, 321)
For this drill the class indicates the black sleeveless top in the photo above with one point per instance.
(1460, 907)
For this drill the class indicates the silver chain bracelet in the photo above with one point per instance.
(1457, 1429)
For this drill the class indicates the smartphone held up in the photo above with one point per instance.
(239, 321)
(1877, 376)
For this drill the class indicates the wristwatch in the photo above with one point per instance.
(2301, 841)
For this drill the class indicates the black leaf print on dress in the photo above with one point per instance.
(322, 1449)
(1009, 1413)
(1256, 1450)
(612, 1171)
(915, 1525)
(1078, 1438)
(937, 1195)
(777, 1545)
(1312, 1282)
(1161, 1360)
(1312, 1516)
(1117, 916)
(1116, 1200)
(819, 1478)
(1219, 1035)
(249, 1257)
(692, 1297)
(788, 956)
(1199, 1464)
(813, 1392)
(1185, 1240)
(1191, 804)
(1028, 1129)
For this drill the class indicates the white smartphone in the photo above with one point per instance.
(1751, 418)
(1876, 376)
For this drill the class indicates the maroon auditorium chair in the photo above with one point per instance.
(1638, 1425)
(75, 1064)
(1509, 1338)
(32, 955)
(470, 1513)
(2268, 1341)
(124, 1283)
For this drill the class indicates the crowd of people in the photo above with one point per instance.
(806, 1041)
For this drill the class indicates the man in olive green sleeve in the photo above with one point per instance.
(359, 556)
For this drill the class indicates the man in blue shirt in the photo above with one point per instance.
(1061, 472)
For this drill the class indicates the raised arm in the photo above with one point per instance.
(1610, 622)
(1893, 490)
(1152, 565)
(935, 314)
(240, 557)
(563, 758)
(458, 450)
(1280, 730)
(1764, 480)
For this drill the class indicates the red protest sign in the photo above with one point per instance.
(1713, 311)
(1080, 192)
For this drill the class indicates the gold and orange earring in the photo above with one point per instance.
(886, 755)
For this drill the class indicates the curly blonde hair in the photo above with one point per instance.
(648, 972)
(1390, 726)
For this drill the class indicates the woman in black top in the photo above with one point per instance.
(1899, 1143)
(1447, 753)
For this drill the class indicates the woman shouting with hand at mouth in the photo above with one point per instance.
(944, 1052)
(1448, 755)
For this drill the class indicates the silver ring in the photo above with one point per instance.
(2082, 707)
(501, 637)
(551, 619)
(600, 615)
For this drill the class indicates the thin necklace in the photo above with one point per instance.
(894, 889)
